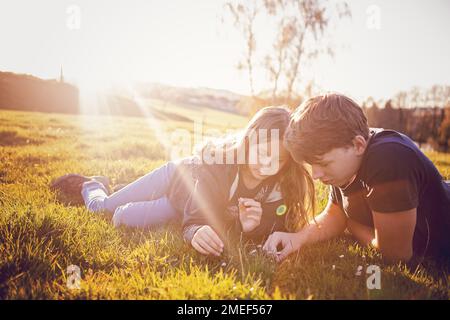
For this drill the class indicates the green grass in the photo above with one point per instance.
(40, 238)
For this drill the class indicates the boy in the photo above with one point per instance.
(383, 189)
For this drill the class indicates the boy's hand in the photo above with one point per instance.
(250, 213)
(206, 241)
(290, 243)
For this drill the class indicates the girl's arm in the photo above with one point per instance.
(207, 203)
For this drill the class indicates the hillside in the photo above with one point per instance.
(41, 237)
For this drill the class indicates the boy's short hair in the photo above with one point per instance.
(323, 123)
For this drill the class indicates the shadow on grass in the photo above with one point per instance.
(12, 138)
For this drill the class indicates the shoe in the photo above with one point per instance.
(68, 187)
(104, 181)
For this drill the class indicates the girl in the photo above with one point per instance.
(246, 183)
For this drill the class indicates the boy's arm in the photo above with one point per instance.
(363, 234)
(395, 177)
(330, 223)
(394, 232)
(392, 235)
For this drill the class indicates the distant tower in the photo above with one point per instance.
(61, 75)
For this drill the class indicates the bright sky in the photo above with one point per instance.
(183, 43)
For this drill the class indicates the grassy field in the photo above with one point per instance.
(40, 238)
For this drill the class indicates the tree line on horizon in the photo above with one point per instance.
(302, 29)
(424, 115)
(426, 125)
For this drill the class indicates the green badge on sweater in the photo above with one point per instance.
(281, 210)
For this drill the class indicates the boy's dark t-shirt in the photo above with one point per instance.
(396, 176)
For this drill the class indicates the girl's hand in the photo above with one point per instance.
(206, 241)
(250, 213)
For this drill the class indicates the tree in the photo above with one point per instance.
(444, 130)
(275, 64)
(301, 26)
(310, 20)
(244, 20)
